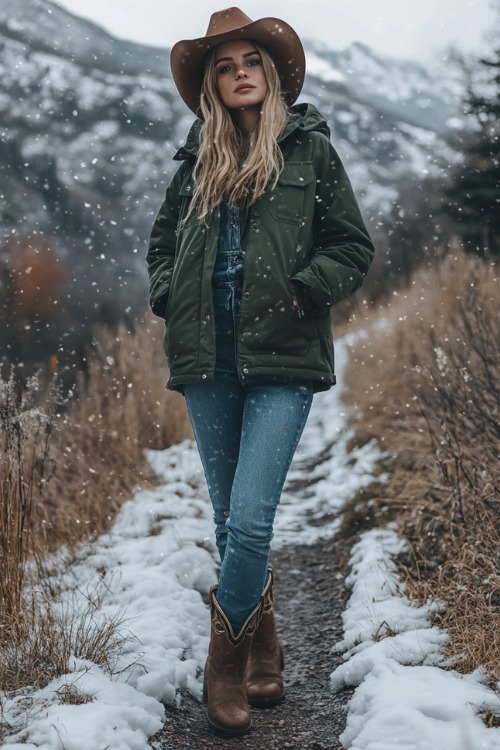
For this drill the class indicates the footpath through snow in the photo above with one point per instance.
(155, 566)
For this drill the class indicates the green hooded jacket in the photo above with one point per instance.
(308, 231)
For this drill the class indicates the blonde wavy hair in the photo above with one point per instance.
(227, 168)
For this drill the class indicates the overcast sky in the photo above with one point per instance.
(413, 29)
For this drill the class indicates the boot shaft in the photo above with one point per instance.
(228, 710)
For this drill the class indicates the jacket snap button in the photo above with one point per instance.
(245, 371)
(255, 225)
(246, 295)
(204, 376)
(207, 317)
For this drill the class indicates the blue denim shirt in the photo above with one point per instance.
(228, 270)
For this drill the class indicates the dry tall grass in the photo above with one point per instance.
(426, 379)
(66, 467)
(120, 407)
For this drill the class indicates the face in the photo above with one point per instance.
(239, 74)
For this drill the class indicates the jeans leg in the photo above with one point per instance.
(216, 413)
(274, 417)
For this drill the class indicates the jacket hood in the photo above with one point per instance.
(303, 117)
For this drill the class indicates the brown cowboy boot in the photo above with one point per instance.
(224, 687)
(263, 676)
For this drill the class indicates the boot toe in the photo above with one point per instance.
(265, 693)
(231, 719)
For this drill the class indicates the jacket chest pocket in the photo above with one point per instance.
(287, 200)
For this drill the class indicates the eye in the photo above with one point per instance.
(254, 61)
(223, 69)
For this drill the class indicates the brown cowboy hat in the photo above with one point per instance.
(277, 37)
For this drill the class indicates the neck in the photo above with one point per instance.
(246, 120)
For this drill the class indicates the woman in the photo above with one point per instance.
(258, 236)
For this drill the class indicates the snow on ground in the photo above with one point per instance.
(403, 700)
(158, 561)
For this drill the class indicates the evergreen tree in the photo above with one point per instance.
(473, 195)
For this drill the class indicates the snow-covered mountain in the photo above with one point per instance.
(89, 124)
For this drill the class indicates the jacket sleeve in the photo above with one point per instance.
(162, 245)
(342, 250)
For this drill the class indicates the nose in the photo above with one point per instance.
(241, 72)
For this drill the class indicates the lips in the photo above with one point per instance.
(243, 87)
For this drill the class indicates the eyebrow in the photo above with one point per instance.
(226, 59)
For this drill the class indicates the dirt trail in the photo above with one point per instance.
(310, 597)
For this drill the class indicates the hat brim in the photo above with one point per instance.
(276, 36)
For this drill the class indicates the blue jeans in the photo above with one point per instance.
(247, 430)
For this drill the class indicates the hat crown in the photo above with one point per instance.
(227, 20)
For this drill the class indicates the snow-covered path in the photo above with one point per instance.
(158, 561)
